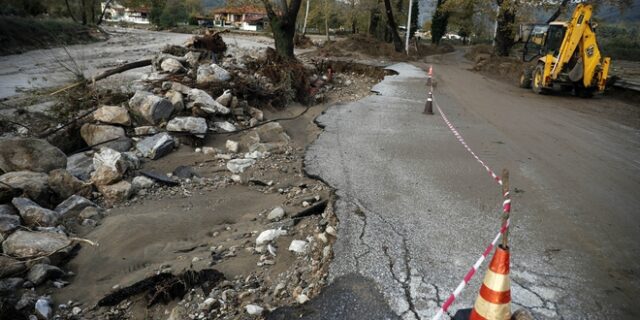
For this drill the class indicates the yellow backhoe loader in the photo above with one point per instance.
(567, 56)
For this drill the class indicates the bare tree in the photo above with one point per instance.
(393, 27)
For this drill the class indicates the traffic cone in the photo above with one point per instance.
(494, 300)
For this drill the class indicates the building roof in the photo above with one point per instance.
(240, 10)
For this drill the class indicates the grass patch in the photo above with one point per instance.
(20, 34)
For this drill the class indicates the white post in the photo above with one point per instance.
(495, 27)
(406, 46)
(306, 15)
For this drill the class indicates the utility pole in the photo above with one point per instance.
(306, 15)
(406, 46)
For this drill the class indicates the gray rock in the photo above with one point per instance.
(150, 107)
(193, 125)
(276, 214)
(96, 135)
(131, 160)
(8, 223)
(273, 132)
(27, 301)
(80, 165)
(24, 244)
(112, 115)
(201, 99)
(299, 246)
(239, 165)
(73, 206)
(145, 130)
(275, 147)
(211, 73)
(225, 98)
(142, 182)
(117, 192)
(192, 58)
(232, 146)
(33, 214)
(156, 146)
(43, 308)
(110, 167)
(7, 209)
(64, 184)
(176, 86)
(20, 154)
(10, 285)
(184, 172)
(34, 184)
(176, 99)
(89, 213)
(256, 113)
(11, 267)
(225, 126)
(40, 273)
(253, 309)
(172, 65)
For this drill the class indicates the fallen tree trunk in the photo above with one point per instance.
(108, 73)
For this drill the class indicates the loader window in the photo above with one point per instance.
(555, 36)
(535, 42)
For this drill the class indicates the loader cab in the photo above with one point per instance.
(543, 40)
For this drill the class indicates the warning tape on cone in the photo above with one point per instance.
(506, 209)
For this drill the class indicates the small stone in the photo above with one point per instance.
(225, 98)
(201, 99)
(193, 125)
(232, 146)
(112, 115)
(64, 184)
(34, 185)
(276, 214)
(302, 298)
(43, 308)
(142, 182)
(145, 130)
(209, 150)
(211, 73)
(299, 246)
(89, 213)
(76, 311)
(239, 165)
(176, 99)
(225, 126)
(269, 235)
(40, 273)
(156, 146)
(116, 192)
(97, 135)
(73, 206)
(80, 166)
(331, 230)
(253, 309)
(172, 65)
(33, 214)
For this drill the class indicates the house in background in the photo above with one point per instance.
(115, 12)
(250, 18)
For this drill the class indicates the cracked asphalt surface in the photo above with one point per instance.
(416, 210)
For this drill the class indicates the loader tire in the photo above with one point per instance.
(536, 83)
(526, 77)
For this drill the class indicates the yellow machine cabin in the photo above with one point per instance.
(567, 56)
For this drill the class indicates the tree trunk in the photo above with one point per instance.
(83, 9)
(73, 16)
(283, 26)
(439, 23)
(374, 20)
(504, 34)
(393, 28)
(563, 5)
(104, 11)
(93, 11)
(326, 19)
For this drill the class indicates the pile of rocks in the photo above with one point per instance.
(42, 200)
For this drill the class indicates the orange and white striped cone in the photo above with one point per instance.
(494, 300)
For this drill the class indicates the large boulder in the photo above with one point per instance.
(112, 115)
(211, 73)
(151, 108)
(194, 125)
(11, 267)
(41, 272)
(8, 223)
(172, 65)
(97, 135)
(19, 154)
(110, 167)
(34, 184)
(26, 244)
(73, 206)
(156, 146)
(176, 99)
(116, 192)
(33, 214)
(80, 165)
(201, 99)
(8, 209)
(64, 184)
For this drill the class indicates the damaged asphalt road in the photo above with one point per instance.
(416, 210)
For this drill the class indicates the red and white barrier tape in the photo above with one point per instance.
(506, 209)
